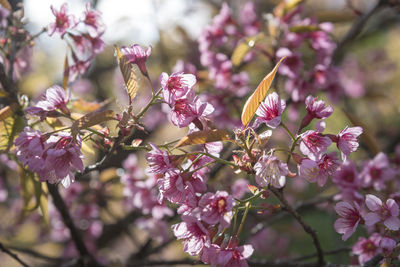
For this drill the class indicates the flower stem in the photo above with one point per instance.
(288, 131)
(153, 98)
(246, 211)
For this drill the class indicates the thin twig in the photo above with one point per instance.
(12, 255)
(305, 226)
(38, 255)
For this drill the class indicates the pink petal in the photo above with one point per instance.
(371, 218)
(373, 202)
(393, 223)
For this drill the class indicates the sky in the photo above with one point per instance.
(135, 21)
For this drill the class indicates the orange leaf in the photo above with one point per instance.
(202, 137)
(66, 73)
(128, 74)
(5, 4)
(7, 111)
(244, 47)
(91, 119)
(258, 96)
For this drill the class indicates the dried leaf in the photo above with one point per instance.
(291, 4)
(108, 174)
(5, 113)
(304, 28)
(202, 137)
(85, 106)
(253, 189)
(44, 206)
(258, 96)
(3, 93)
(367, 136)
(5, 4)
(91, 119)
(66, 73)
(244, 47)
(129, 75)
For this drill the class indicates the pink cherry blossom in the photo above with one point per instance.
(270, 170)
(318, 171)
(158, 230)
(316, 109)
(217, 208)
(4, 13)
(349, 219)
(189, 108)
(382, 212)
(347, 140)
(54, 98)
(176, 85)
(270, 111)
(93, 21)
(249, 19)
(387, 244)
(159, 161)
(376, 172)
(30, 146)
(63, 21)
(137, 55)
(366, 249)
(313, 144)
(235, 256)
(239, 188)
(349, 181)
(62, 159)
(291, 65)
(194, 234)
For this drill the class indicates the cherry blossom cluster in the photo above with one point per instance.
(222, 35)
(204, 214)
(177, 190)
(140, 193)
(54, 158)
(358, 206)
(83, 36)
(296, 32)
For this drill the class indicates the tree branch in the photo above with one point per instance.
(13, 255)
(75, 235)
(305, 226)
(355, 30)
